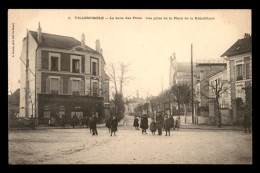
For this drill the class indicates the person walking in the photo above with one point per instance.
(136, 123)
(94, 125)
(153, 127)
(114, 124)
(144, 123)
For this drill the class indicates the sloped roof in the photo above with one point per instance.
(60, 42)
(15, 97)
(241, 46)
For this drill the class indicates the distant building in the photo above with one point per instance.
(13, 104)
(64, 76)
(180, 72)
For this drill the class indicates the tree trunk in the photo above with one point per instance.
(218, 112)
(179, 112)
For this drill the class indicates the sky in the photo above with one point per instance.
(146, 44)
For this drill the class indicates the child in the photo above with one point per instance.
(153, 127)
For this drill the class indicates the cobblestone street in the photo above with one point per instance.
(78, 146)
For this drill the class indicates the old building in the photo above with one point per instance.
(61, 75)
(239, 57)
(180, 72)
(239, 69)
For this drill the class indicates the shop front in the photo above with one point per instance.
(55, 106)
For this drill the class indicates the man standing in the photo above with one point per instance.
(160, 124)
(114, 124)
(94, 124)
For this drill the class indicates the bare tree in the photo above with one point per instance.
(219, 87)
(124, 77)
(111, 69)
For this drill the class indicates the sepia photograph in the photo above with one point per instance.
(130, 86)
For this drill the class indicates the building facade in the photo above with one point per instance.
(239, 57)
(61, 75)
(239, 70)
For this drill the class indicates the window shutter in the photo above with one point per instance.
(48, 89)
(244, 71)
(69, 87)
(81, 87)
(61, 87)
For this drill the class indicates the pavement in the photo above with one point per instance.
(129, 146)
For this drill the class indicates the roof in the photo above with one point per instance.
(15, 97)
(60, 42)
(210, 74)
(241, 46)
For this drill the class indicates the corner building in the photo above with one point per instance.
(64, 76)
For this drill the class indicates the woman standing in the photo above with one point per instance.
(144, 123)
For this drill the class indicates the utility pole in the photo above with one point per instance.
(26, 76)
(192, 106)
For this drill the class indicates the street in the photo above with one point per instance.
(129, 146)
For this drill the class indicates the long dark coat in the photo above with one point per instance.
(144, 122)
(136, 122)
(167, 124)
(114, 124)
(171, 122)
(94, 122)
(153, 126)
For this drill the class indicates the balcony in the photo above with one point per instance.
(239, 77)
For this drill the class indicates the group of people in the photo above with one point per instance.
(111, 124)
(166, 123)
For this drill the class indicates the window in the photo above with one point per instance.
(54, 63)
(75, 66)
(247, 70)
(54, 85)
(239, 72)
(94, 68)
(95, 88)
(75, 87)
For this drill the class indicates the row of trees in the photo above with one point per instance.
(180, 95)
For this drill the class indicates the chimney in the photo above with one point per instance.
(97, 45)
(39, 33)
(247, 35)
(83, 40)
